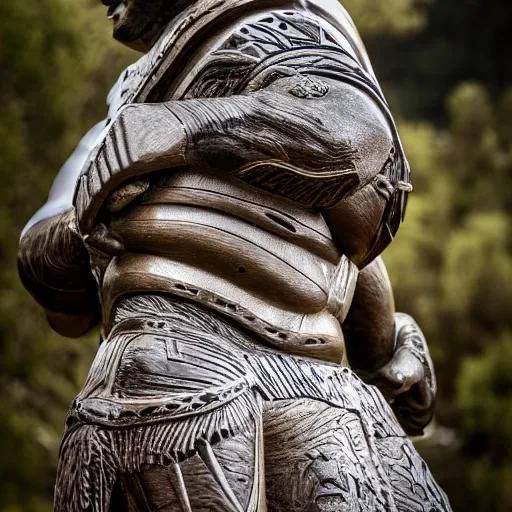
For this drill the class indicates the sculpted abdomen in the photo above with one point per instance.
(265, 261)
(261, 262)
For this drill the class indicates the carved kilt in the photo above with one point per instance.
(178, 392)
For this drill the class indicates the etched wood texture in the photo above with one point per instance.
(205, 417)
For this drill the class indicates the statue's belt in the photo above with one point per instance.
(267, 376)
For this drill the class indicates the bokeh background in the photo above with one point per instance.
(445, 67)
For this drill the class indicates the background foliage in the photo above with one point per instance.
(445, 71)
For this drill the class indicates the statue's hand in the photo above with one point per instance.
(102, 244)
(105, 241)
(408, 379)
(142, 138)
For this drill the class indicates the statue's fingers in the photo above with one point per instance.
(402, 372)
(126, 194)
(105, 241)
(414, 409)
(413, 425)
(411, 420)
(422, 397)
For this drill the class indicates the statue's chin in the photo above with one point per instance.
(137, 37)
(139, 28)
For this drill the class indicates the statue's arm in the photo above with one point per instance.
(369, 327)
(53, 262)
(389, 350)
(302, 138)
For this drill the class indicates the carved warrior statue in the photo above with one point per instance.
(224, 225)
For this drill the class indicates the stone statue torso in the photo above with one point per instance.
(246, 250)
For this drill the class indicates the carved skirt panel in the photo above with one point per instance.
(192, 414)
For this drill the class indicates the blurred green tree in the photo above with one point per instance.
(451, 264)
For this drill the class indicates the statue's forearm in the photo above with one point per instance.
(388, 349)
(300, 137)
(374, 331)
(370, 325)
(274, 123)
(54, 267)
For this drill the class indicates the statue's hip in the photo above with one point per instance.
(188, 397)
(186, 362)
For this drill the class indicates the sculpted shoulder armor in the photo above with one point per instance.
(313, 54)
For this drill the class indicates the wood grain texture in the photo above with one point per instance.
(329, 441)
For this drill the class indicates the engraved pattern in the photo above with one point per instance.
(270, 34)
(275, 45)
(344, 449)
(286, 43)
